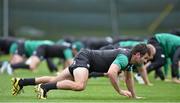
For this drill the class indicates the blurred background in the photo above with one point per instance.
(53, 19)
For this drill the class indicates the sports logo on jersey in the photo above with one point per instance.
(88, 65)
(124, 49)
(162, 56)
(129, 67)
(74, 62)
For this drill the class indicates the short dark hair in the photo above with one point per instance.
(141, 48)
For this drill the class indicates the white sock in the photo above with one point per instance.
(9, 69)
(4, 66)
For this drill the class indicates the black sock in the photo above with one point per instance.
(49, 86)
(25, 82)
(20, 65)
(51, 66)
(1, 63)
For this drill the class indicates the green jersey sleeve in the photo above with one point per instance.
(13, 48)
(122, 61)
(68, 54)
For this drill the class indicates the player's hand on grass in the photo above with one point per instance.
(126, 93)
(105, 74)
(150, 84)
(138, 97)
(167, 80)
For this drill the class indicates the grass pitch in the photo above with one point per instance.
(98, 90)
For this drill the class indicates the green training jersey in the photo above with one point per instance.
(68, 53)
(122, 61)
(13, 48)
(168, 42)
(129, 43)
(31, 45)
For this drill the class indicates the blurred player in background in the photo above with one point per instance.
(22, 50)
(167, 46)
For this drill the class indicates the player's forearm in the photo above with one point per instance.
(114, 81)
(130, 84)
(144, 75)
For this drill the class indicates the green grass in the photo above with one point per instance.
(98, 90)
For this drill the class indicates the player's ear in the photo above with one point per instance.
(138, 55)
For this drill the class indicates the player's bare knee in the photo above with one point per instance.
(80, 86)
(32, 67)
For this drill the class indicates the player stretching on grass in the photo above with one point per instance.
(167, 46)
(21, 51)
(75, 77)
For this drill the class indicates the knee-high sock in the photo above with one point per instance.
(27, 81)
(49, 86)
(21, 65)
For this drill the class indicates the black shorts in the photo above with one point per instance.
(40, 52)
(175, 60)
(82, 59)
(21, 49)
(50, 51)
(176, 56)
